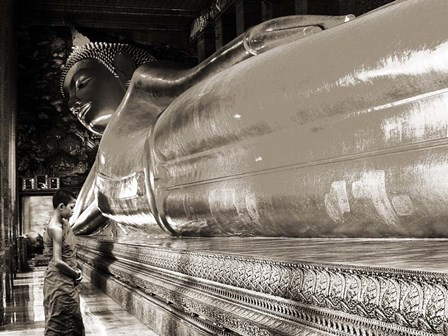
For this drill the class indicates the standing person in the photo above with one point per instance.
(61, 296)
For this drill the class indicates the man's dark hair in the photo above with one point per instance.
(62, 196)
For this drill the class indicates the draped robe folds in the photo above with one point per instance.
(61, 296)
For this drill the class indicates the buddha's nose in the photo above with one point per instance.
(73, 100)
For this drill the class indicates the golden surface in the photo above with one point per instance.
(424, 255)
(339, 134)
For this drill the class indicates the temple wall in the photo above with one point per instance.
(8, 190)
(50, 139)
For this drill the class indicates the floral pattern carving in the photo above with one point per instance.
(340, 300)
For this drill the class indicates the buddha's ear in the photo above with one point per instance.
(125, 66)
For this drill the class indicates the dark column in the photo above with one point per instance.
(8, 225)
(225, 29)
(323, 7)
(301, 7)
(228, 26)
(206, 43)
(267, 10)
(288, 7)
(359, 7)
(248, 14)
(219, 33)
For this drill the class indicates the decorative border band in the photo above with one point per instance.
(332, 298)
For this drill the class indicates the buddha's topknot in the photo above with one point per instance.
(105, 53)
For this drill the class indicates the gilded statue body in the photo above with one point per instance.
(339, 134)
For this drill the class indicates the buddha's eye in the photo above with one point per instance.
(82, 83)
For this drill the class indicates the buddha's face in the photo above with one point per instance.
(94, 94)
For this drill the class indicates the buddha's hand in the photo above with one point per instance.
(90, 220)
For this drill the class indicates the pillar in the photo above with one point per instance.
(225, 28)
(248, 14)
(301, 7)
(8, 225)
(322, 7)
(358, 8)
(267, 12)
(206, 43)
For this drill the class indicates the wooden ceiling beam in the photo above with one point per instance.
(61, 9)
(171, 19)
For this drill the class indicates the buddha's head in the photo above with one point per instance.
(95, 78)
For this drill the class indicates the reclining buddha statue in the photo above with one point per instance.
(302, 127)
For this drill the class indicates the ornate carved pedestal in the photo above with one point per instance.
(262, 286)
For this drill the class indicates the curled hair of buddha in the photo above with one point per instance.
(104, 53)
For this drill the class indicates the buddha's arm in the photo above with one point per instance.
(164, 82)
(90, 220)
(87, 217)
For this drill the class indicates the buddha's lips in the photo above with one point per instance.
(83, 110)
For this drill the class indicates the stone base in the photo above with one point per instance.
(256, 286)
(159, 316)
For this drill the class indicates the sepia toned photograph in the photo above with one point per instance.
(224, 167)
